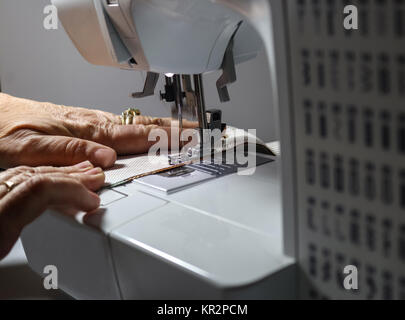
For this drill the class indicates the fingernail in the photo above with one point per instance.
(105, 157)
(95, 200)
(84, 165)
(94, 171)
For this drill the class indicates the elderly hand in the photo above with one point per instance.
(36, 133)
(68, 189)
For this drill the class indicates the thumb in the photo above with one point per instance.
(65, 151)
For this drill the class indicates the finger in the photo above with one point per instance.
(65, 151)
(31, 198)
(81, 167)
(185, 124)
(19, 174)
(163, 122)
(139, 138)
(93, 179)
(99, 117)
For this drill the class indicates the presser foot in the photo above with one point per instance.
(191, 155)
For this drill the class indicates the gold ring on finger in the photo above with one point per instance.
(128, 116)
(10, 185)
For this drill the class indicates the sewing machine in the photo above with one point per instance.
(224, 238)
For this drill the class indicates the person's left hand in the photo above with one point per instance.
(67, 190)
(37, 133)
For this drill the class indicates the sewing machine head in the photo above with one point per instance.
(182, 39)
(179, 37)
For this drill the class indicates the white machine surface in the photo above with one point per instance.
(224, 238)
(197, 243)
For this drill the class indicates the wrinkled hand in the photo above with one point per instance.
(68, 189)
(37, 133)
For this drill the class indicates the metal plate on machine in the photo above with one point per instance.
(190, 175)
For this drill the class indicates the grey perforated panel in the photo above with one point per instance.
(348, 90)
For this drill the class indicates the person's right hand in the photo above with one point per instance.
(45, 134)
(68, 190)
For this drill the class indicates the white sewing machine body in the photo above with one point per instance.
(155, 35)
(224, 238)
(194, 244)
